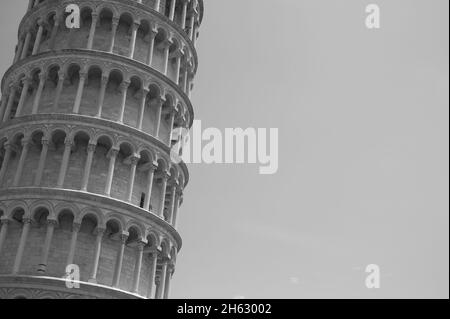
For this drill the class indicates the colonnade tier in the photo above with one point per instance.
(90, 155)
(88, 118)
(95, 85)
(179, 12)
(118, 28)
(129, 253)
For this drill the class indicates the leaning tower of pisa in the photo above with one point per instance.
(86, 122)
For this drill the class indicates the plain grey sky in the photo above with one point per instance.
(363, 172)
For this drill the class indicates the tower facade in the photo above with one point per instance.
(87, 186)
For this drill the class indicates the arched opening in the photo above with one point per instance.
(89, 101)
(77, 161)
(122, 172)
(48, 94)
(132, 109)
(113, 98)
(54, 158)
(151, 110)
(123, 36)
(99, 169)
(103, 32)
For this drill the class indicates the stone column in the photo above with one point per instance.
(73, 243)
(133, 163)
(59, 87)
(22, 243)
(115, 24)
(177, 207)
(23, 96)
(87, 166)
(78, 97)
(177, 69)
(42, 159)
(4, 102)
(134, 29)
(26, 46)
(191, 27)
(124, 90)
(54, 33)
(166, 49)
(150, 177)
(161, 286)
(165, 178)
(184, 14)
(65, 162)
(19, 50)
(159, 105)
(23, 156)
(173, 112)
(138, 267)
(98, 248)
(37, 98)
(194, 39)
(92, 31)
(101, 98)
(172, 9)
(119, 261)
(11, 98)
(112, 163)
(140, 121)
(168, 278)
(157, 4)
(185, 79)
(5, 164)
(3, 232)
(151, 281)
(30, 5)
(51, 223)
(172, 201)
(38, 40)
(151, 47)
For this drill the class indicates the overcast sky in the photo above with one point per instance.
(363, 172)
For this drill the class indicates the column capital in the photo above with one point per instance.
(105, 79)
(145, 91)
(141, 245)
(165, 175)
(5, 220)
(136, 25)
(115, 21)
(124, 85)
(13, 86)
(27, 220)
(62, 73)
(123, 237)
(76, 227)
(113, 152)
(174, 183)
(91, 147)
(179, 191)
(26, 80)
(52, 222)
(83, 74)
(26, 142)
(42, 75)
(99, 231)
(45, 142)
(68, 142)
